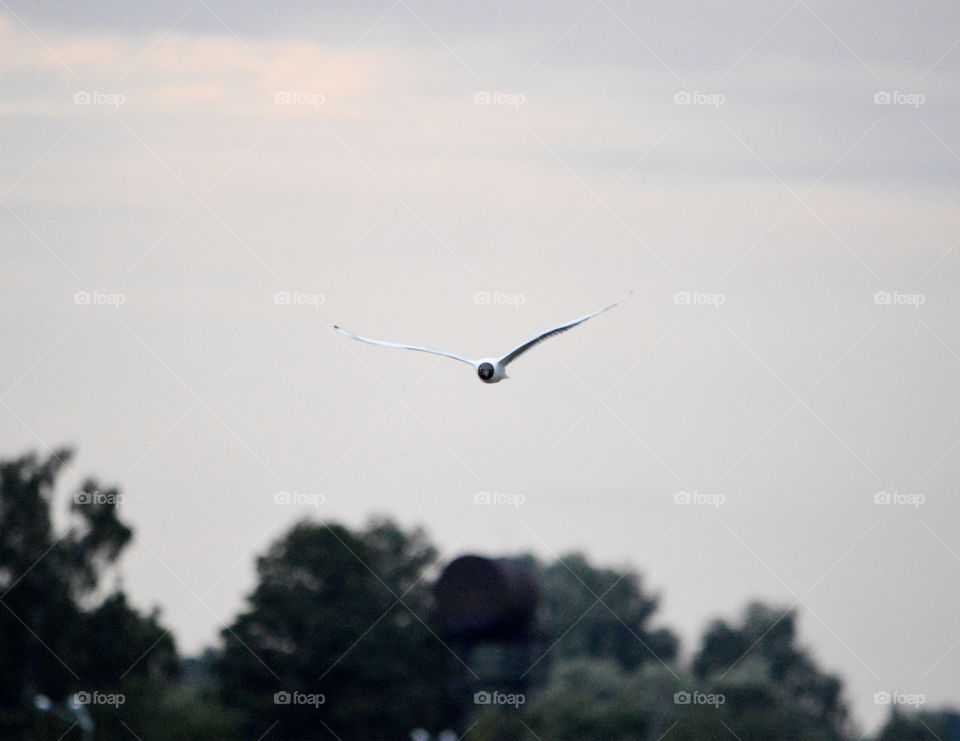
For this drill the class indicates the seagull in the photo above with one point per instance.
(489, 370)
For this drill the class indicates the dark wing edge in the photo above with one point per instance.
(519, 350)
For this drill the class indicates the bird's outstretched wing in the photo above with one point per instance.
(518, 351)
(405, 347)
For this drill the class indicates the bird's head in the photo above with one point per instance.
(490, 371)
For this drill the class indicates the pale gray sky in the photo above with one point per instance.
(193, 159)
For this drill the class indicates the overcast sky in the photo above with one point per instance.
(463, 177)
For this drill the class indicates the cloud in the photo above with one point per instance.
(183, 74)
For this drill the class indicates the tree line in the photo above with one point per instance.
(338, 640)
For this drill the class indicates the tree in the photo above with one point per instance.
(597, 698)
(929, 725)
(337, 639)
(589, 698)
(607, 672)
(769, 679)
(58, 636)
(602, 614)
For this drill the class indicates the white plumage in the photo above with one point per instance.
(489, 370)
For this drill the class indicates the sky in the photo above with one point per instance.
(193, 193)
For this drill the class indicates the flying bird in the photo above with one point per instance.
(489, 370)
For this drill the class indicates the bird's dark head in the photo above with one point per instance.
(485, 371)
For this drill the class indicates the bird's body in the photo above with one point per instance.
(489, 370)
